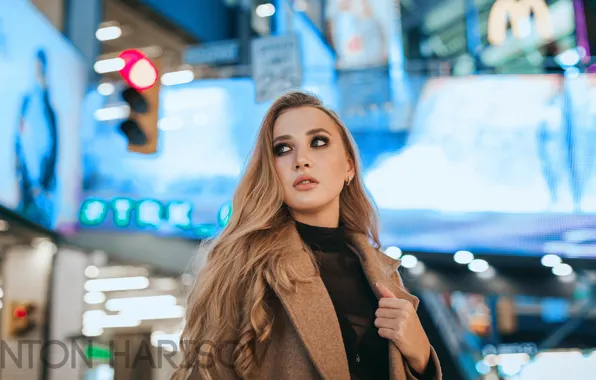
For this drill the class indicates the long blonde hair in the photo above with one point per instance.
(228, 301)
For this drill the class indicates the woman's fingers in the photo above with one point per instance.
(395, 303)
(385, 292)
(387, 313)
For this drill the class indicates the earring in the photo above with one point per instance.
(349, 180)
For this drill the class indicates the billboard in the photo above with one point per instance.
(495, 164)
(276, 65)
(43, 81)
(207, 129)
(501, 163)
(360, 31)
(515, 13)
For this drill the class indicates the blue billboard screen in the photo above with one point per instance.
(495, 164)
(43, 81)
(501, 164)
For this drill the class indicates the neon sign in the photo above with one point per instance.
(517, 13)
(150, 213)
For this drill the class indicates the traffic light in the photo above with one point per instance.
(142, 95)
(22, 318)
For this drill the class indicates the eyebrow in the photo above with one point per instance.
(308, 133)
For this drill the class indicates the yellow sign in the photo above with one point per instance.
(517, 14)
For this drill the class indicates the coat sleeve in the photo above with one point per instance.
(432, 371)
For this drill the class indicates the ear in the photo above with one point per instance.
(351, 167)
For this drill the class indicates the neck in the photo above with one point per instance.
(323, 218)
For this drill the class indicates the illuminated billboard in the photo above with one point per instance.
(207, 129)
(360, 31)
(42, 80)
(495, 164)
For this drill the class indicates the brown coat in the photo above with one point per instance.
(306, 339)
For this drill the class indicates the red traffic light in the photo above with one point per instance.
(20, 312)
(138, 71)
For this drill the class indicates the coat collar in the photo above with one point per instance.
(311, 310)
(379, 267)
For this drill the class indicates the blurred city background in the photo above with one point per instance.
(125, 124)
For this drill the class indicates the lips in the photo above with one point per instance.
(301, 180)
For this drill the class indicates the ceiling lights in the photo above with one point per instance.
(112, 113)
(550, 260)
(117, 284)
(91, 271)
(106, 89)
(562, 269)
(111, 65)
(393, 252)
(265, 10)
(463, 257)
(158, 302)
(108, 33)
(409, 261)
(177, 77)
(478, 266)
(94, 298)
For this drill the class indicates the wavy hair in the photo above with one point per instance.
(247, 261)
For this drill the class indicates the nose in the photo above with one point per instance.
(302, 162)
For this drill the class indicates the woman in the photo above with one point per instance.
(292, 288)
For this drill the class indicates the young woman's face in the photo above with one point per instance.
(311, 160)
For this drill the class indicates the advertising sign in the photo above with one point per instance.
(499, 163)
(213, 53)
(42, 81)
(517, 14)
(360, 31)
(277, 65)
(487, 163)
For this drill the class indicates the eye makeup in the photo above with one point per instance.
(317, 141)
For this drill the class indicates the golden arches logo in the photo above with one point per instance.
(516, 13)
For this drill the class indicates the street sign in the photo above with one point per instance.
(213, 53)
(276, 65)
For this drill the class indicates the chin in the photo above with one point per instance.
(307, 206)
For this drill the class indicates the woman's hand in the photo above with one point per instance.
(397, 321)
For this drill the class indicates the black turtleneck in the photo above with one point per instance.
(353, 299)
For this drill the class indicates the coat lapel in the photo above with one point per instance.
(313, 316)
(379, 267)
